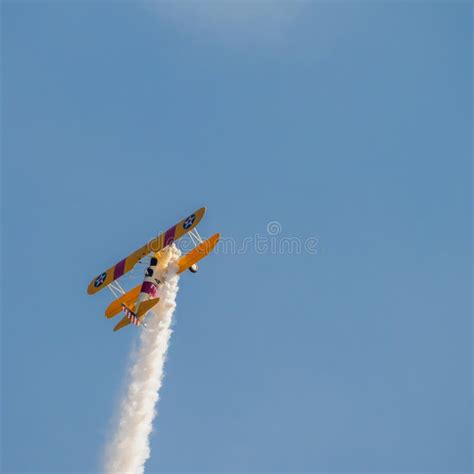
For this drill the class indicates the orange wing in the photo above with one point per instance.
(128, 299)
(154, 245)
(198, 253)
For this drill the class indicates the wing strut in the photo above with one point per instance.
(195, 237)
(116, 289)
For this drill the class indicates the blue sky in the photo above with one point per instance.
(349, 122)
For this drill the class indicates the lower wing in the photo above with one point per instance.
(199, 252)
(128, 299)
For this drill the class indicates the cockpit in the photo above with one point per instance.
(153, 263)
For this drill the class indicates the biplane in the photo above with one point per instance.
(136, 303)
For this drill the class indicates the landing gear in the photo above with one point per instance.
(193, 268)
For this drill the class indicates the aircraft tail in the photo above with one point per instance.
(146, 306)
(136, 318)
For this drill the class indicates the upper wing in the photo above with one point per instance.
(154, 245)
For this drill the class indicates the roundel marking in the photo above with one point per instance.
(100, 279)
(189, 221)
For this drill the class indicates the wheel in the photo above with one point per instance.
(193, 268)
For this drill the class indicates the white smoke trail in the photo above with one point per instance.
(129, 448)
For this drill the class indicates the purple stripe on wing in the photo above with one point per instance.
(169, 236)
(119, 269)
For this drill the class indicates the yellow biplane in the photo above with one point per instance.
(136, 303)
